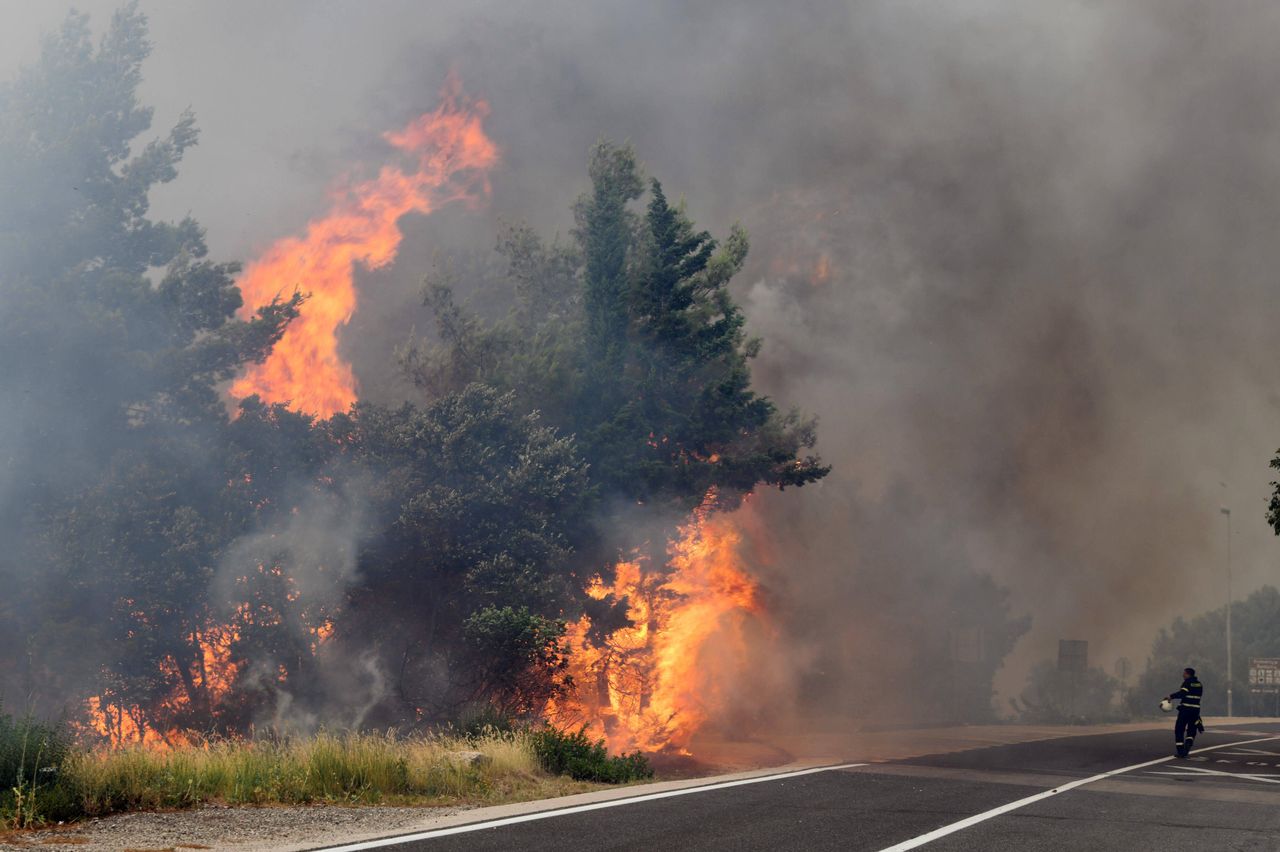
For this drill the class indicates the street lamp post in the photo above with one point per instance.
(1227, 512)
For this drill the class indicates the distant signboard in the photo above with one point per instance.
(967, 645)
(1073, 655)
(1264, 674)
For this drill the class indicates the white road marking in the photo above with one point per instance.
(1021, 803)
(576, 809)
(1269, 777)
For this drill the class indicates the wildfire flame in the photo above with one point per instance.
(208, 683)
(649, 687)
(304, 370)
(212, 677)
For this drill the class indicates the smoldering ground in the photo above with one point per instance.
(1017, 258)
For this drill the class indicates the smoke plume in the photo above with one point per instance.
(1017, 258)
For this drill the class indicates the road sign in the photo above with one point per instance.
(967, 645)
(1073, 655)
(1123, 667)
(1264, 674)
(1264, 679)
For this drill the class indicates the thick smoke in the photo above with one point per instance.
(315, 546)
(1018, 258)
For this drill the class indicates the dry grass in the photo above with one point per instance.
(349, 769)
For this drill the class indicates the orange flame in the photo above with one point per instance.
(321, 633)
(649, 686)
(821, 271)
(304, 370)
(212, 675)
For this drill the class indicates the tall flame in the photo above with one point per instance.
(454, 157)
(649, 686)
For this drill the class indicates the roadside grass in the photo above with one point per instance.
(343, 769)
(356, 769)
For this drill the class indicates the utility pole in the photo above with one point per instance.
(1227, 512)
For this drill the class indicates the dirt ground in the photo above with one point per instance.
(223, 828)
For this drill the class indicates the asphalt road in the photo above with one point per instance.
(1226, 797)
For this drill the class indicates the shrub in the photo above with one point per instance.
(32, 789)
(575, 755)
(480, 721)
(1054, 697)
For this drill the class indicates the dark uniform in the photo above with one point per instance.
(1184, 730)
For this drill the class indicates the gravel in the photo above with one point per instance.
(223, 828)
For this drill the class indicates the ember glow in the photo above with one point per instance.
(454, 157)
(649, 686)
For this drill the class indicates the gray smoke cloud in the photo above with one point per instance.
(313, 552)
(1017, 257)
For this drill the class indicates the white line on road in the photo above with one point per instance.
(1268, 777)
(1021, 803)
(576, 809)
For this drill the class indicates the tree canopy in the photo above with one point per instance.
(115, 331)
(646, 361)
(1201, 643)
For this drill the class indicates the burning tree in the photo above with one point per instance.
(646, 362)
(115, 331)
(543, 532)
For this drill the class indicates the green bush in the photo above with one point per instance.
(32, 788)
(575, 755)
(480, 721)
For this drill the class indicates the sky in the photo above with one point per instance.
(1019, 259)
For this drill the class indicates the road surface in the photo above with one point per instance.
(1112, 791)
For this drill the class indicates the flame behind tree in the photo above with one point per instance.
(454, 157)
(650, 685)
(190, 694)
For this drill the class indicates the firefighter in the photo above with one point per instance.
(1188, 698)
